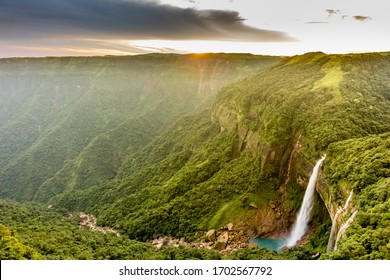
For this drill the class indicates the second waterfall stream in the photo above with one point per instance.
(303, 217)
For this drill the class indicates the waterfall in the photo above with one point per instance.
(335, 222)
(332, 235)
(303, 217)
(344, 227)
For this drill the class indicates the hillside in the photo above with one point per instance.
(361, 168)
(69, 123)
(35, 232)
(257, 151)
(244, 160)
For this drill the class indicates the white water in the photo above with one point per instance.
(303, 217)
(332, 237)
(344, 227)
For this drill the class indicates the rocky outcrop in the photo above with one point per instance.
(289, 164)
(281, 160)
(88, 221)
(225, 240)
(270, 222)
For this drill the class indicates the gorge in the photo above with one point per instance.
(300, 225)
(176, 145)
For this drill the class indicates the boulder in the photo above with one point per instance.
(222, 241)
(285, 248)
(316, 256)
(250, 232)
(254, 206)
(211, 235)
(166, 240)
(182, 240)
(229, 226)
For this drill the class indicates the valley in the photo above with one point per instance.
(177, 147)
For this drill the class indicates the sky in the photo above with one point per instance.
(128, 27)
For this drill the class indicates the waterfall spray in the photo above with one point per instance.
(303, 217)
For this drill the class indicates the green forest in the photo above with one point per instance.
(177, 146)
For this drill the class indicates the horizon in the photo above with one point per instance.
(62, 28)
(193, 53)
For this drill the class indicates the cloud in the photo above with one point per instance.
(316, 22)
(78, 47)
(23, 20)
(361, 18)
(332, 12)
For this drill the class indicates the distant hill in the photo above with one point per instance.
(68, 123)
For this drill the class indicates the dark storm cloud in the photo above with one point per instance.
(361, 18)
(123, 19)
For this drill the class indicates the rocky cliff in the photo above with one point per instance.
(288, 116)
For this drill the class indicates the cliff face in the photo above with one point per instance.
(289, 115)
(285, 162)
(274, 158)
(290, 165)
